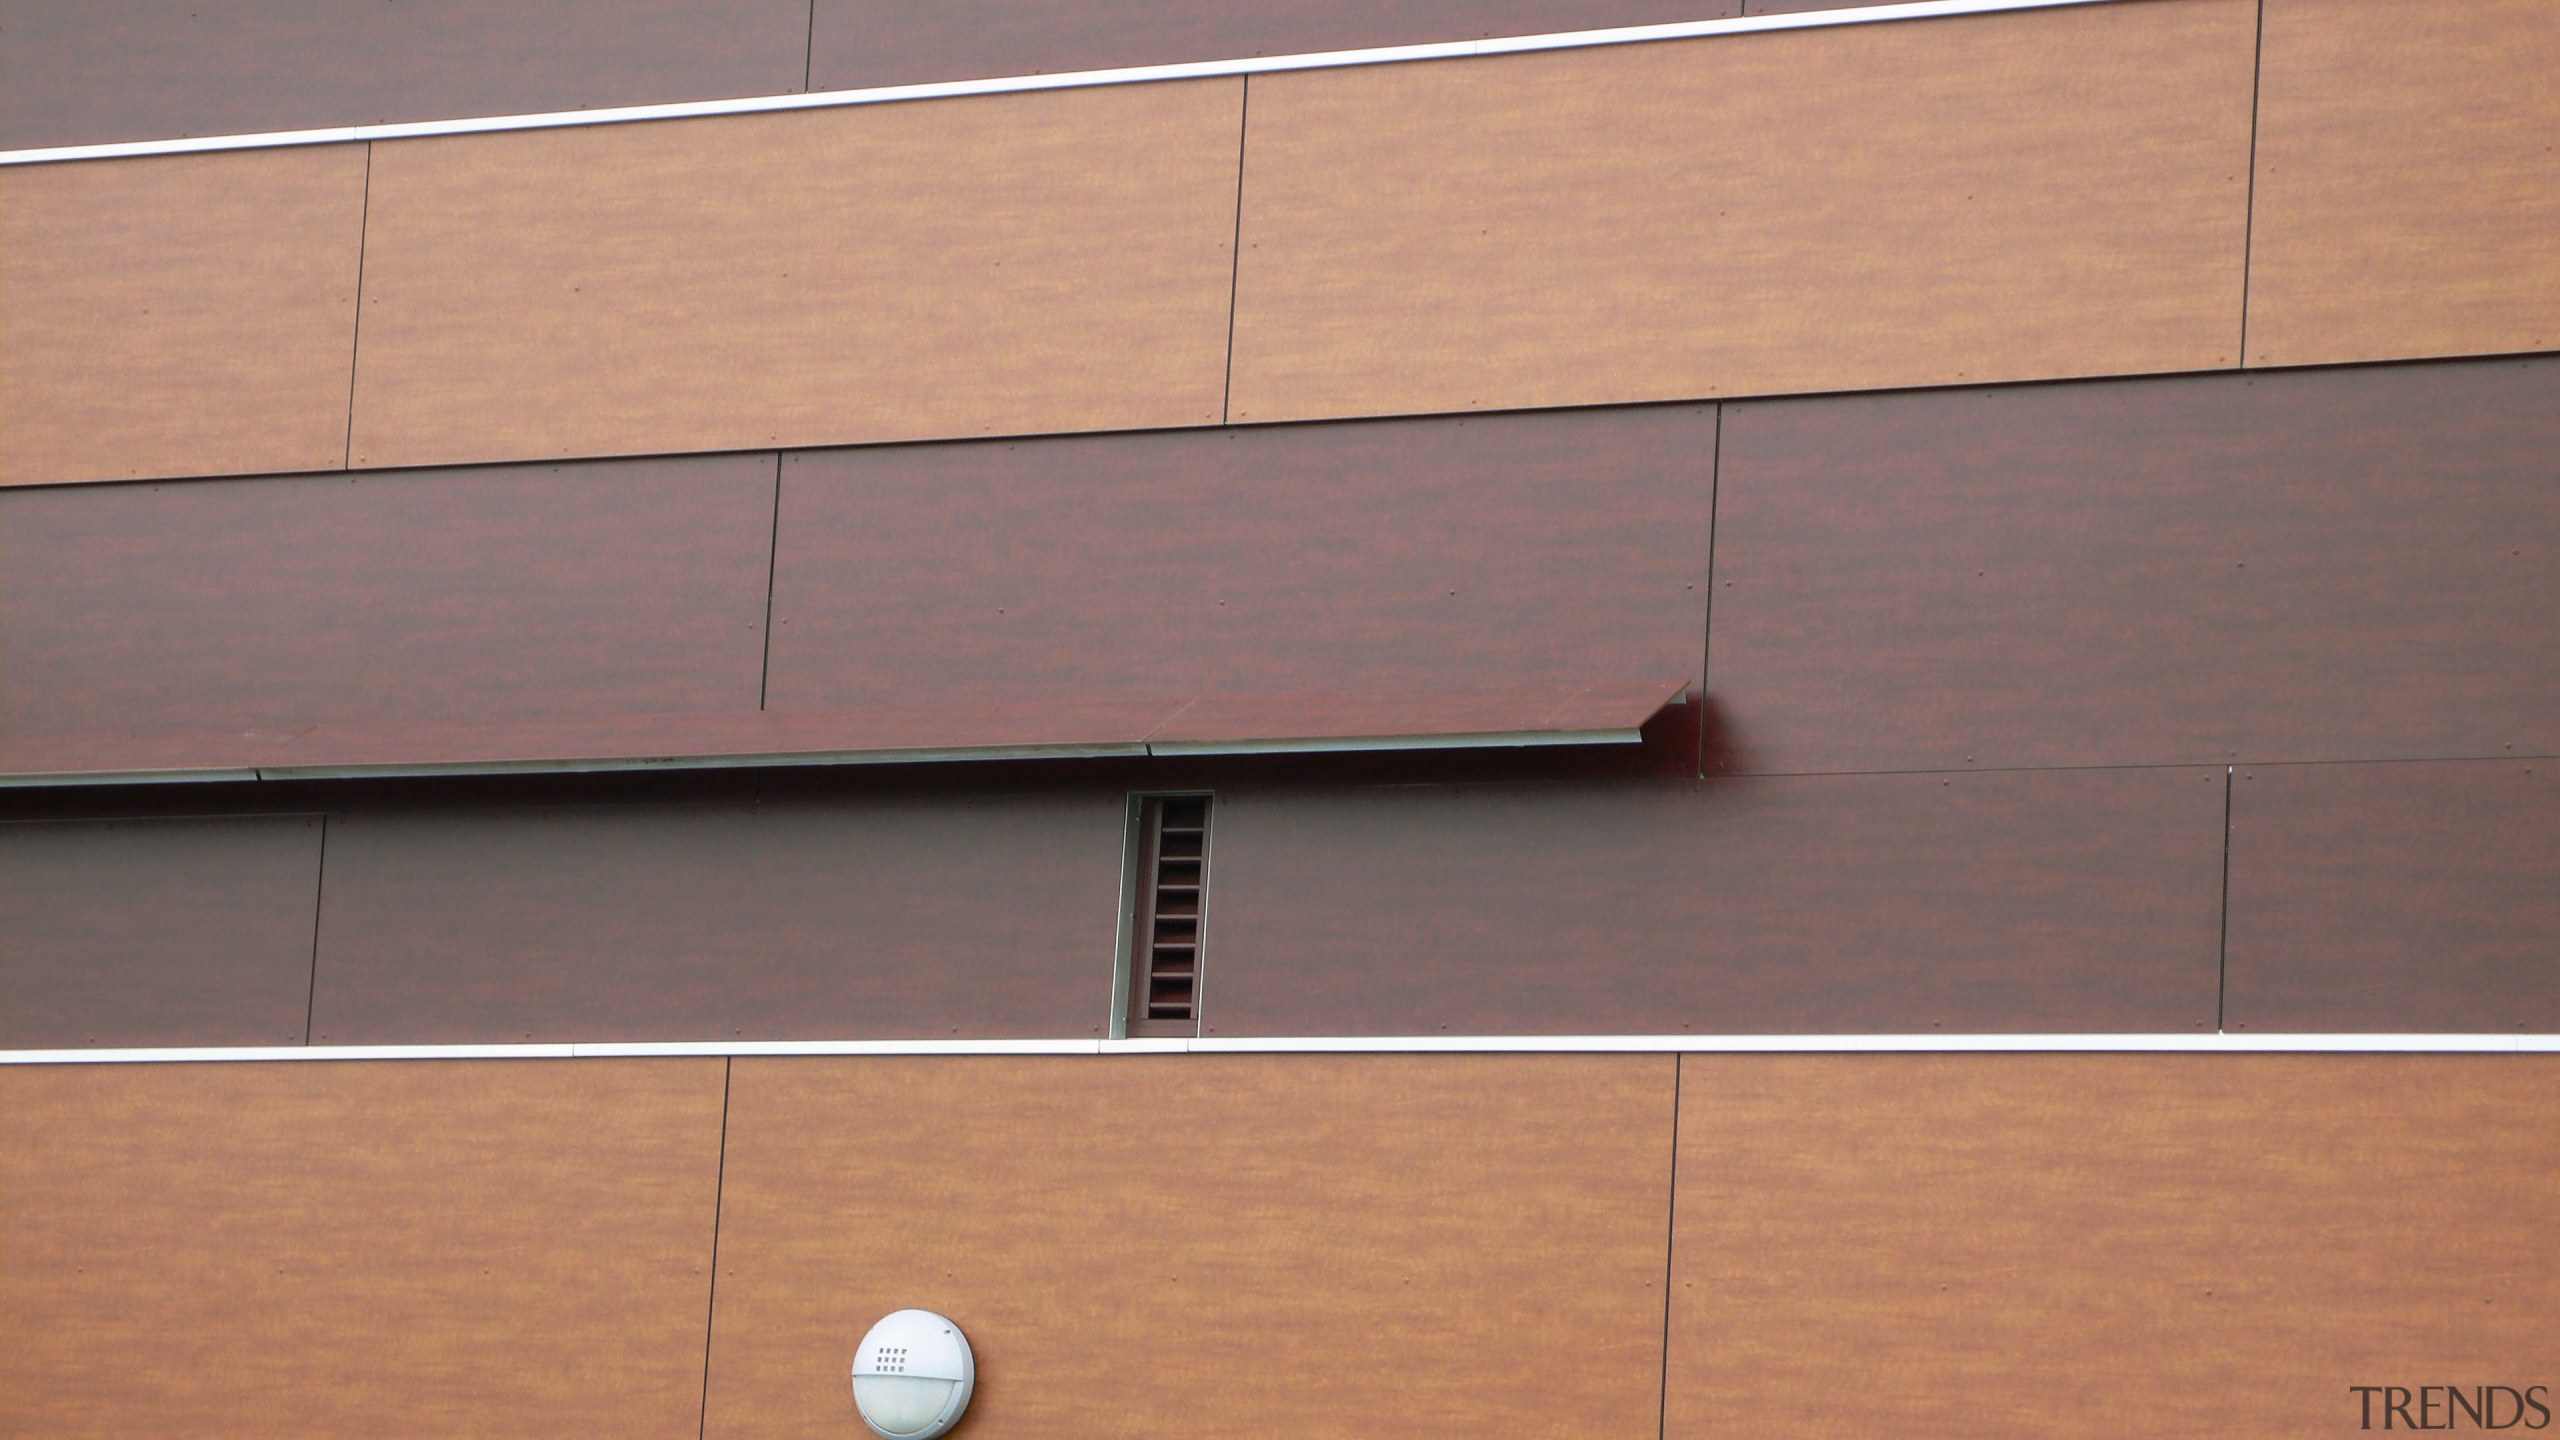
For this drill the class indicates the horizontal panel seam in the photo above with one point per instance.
(171, 784)
(1747, 400)
(2347, 1042)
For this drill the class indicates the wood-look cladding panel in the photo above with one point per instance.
(1389, 557)
(2322, 565)
(454, 596)
(2157, 1245)
(179, 314)
(2408, 183)
(157, 932)
(2021, 901)
(1984, 198)
(2395, 897)
(1226, 1246)
(80, 73)
(856, 43)
(1004, 264)
(456, 1248)
(919, 917)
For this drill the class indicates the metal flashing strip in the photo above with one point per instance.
(454, 769)
(1071, 80)
(35, 779)
(1483, 741)
(1102, 750)
(1929, 1044)
(1106, 750)
(1606, 713)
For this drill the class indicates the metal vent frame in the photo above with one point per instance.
(1164, 887)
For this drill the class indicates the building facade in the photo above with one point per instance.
(1815, 721)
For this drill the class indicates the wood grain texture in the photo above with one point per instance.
(456, 596)
(1206, 1246)
(77, 73)
(482, 1249)
(915, 917)
(2325, 565)
(157, 932)
(2395, 897)
(856, 43)
(995, 265)
(1406, 556)
(2408, 183)
(2155, 1245)
(1985, 198)
(2022, 901)
(179, 314)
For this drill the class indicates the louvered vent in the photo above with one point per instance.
(1164, 933)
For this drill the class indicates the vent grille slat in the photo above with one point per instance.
(1170, 898)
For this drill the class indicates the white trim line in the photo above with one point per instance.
(1016, 84)
(1930, 1044)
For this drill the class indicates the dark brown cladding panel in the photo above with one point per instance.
(1377, 558)
(856, 43)
(2022, 901)
(2419, 897)
(2318, 565)
(1420, 577)
(907, 918)
(486, 594)
(80, 73)
(157, 932)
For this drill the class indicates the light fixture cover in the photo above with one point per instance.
(912, 1376)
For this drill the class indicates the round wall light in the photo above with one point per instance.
(912, 1376)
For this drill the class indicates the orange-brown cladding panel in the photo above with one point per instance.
(1037, 262)
(1242, 1245)
(1987, 198)
(484, 1249)
(2408, 195)
(1912, 1245)
(178, 315)
(2121, 1245)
